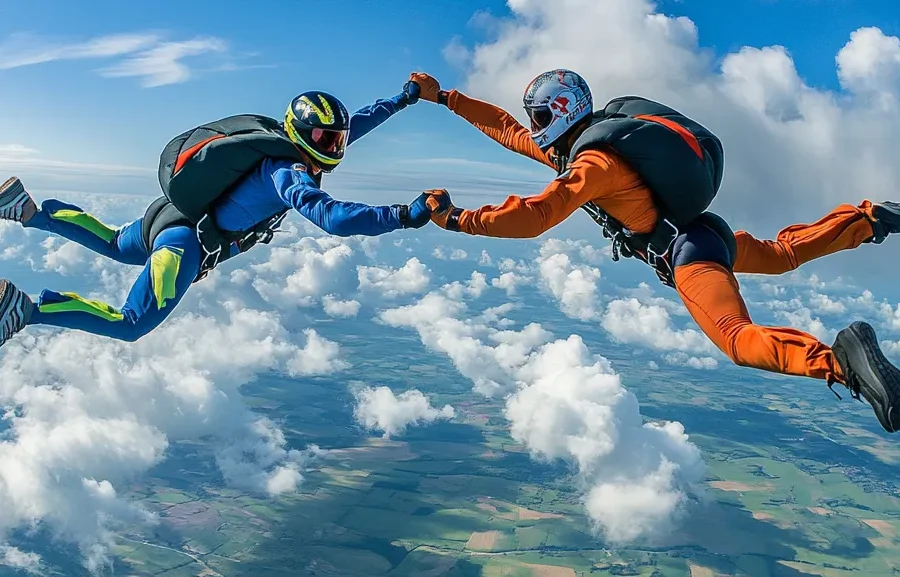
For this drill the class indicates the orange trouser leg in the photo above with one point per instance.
(712, 296)
(844, 228)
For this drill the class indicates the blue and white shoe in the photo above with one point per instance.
(15, 202)
(15, 310)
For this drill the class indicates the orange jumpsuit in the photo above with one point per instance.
(709, 290)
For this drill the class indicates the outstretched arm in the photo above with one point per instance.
(367, 118)
(336, 217)
(592, 176)
(492, 120)
(298, 190)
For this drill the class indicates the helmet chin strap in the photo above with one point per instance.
(559, 152)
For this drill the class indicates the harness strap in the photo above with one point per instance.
(654, 248)
(215, 243)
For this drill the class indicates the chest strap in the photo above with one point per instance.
(653, 248)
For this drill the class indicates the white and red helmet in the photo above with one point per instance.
(555, 101)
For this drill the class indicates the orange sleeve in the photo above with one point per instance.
(592, 175)
(498, 124)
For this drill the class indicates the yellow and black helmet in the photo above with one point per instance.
(318, 123)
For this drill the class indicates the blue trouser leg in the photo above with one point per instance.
(168, 273)
(125, 245)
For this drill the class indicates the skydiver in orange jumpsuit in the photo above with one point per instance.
(647, 174)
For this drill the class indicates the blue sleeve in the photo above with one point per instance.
(369, 117)
(336, 217)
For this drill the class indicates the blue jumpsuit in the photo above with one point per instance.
(172, 263)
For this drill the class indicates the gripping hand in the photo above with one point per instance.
(411, 92)
(443, 213)
(429, 86)
(419, 212)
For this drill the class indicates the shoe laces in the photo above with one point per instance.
(850, 384)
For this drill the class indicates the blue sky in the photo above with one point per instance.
(359, 50)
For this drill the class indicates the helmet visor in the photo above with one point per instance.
(540, 116)
(329, 141)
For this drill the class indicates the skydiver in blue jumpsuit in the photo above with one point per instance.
(173, 261)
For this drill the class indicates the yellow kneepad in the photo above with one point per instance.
(164, 265)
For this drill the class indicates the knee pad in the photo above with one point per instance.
(708, 238)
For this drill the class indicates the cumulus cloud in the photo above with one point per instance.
(562, 402)
(509, 281)
(88, 414)
(381, 409)
(573, 285)
(337, 308)
(301, 272)
(474, 287)
(413, 277)
(631, 322)
(440, 253)
(751, 96)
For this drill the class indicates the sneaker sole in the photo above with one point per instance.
(863, 345)
(17, 200)
(15, 308)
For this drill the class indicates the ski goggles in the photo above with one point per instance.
(328, 141)
(540, 117)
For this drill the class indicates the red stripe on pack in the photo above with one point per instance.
(190, 152)
(683, 132)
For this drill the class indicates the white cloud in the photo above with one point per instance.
(155, 61)
(631, 322)
(510, 265)
(638, 476)
(319, 357)
(753, 96)
(379, 408)
(564, 403)
(574, 286)
(26, 50)
(485, 259)
(823, 304)
(508, 281)
(801, 318)
(870, 65)
(474, 287)
(412, 277)
(12, 557)
(337, 308)
(683, 359)
(301, 272)
(644, 294)
(456, 254)
(94, 412)
(163, 64)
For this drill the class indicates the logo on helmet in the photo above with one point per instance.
(561, 104)
(307, 107)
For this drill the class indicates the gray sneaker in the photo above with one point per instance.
(887, 220)
(15, 310)
(869, 373)
(15, 202)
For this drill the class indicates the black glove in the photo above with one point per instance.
(415, 215)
